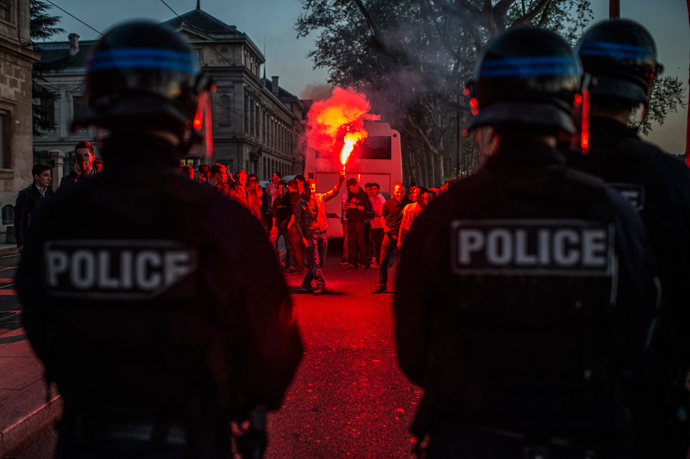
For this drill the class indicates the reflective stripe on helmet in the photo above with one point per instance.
(615, 50)
(148, 58)
(529, 66)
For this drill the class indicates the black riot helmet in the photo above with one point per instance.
(621, 57)
(526, 76)
(142, 75)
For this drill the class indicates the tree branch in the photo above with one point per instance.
(527, 18)
(489, 20)
(423, 136)
(474, 17)
(378, 42)
(469, 7)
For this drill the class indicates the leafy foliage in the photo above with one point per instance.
(668, 93)
(413, 58)
(41, 27)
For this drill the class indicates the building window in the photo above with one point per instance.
(8, 215)
(245, 129)
(77, 106)
(224, 111)
(252, 107)
(5, 139)
(6, 11)
(47, 112)
(256, 122)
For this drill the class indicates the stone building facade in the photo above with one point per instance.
(256, 123)
(16, 59)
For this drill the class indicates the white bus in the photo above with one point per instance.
(376, 160)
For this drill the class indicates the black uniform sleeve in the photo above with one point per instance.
(36, 315)
(423, 260)
(637, 294)
(259, 315)
(20, 214)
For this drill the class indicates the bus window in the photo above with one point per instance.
(378, 147)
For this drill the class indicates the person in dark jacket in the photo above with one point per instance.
(621, 57)
(356, 206)
(83, 167)
(525, 292)
(159, 332)
(312, 224)
(294, 237)
(391, 218)
(29, 200)
(282, 212)
(219, 179)
(204, 172)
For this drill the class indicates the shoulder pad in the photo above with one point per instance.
(584, 178)
(635, 147)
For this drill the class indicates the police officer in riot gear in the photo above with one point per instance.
(621, 57)
(525, 291)
(140, 288)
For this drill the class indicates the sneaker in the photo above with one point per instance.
(344, 262)
(350, 267)
(362, 267)
(319, 291)
(308, 288)
(289, 270)
(379, 289)
(374, 265)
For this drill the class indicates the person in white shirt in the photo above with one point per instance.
(376, 229)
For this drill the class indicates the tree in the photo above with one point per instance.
(667, 96)
(41, 27)
(687, 134)
(414, 57)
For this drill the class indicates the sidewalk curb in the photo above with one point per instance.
(25, 414)
(6, 250)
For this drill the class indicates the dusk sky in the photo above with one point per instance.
(274, 22)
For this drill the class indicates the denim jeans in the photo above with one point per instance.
(358, 247)
(288, 249)
(318, 245)
(388, 246)
(296, 248)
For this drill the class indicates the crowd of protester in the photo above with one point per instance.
(373, 228)
(365, 225)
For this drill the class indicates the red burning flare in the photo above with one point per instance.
(337, 124)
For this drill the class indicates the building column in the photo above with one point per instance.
(58, 158)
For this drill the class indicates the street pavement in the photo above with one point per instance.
(348, 399)
(25, 408)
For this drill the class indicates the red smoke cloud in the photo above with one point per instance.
(336, 125)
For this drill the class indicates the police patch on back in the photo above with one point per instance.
(534, 247)
(633, 192)
(116, 269)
